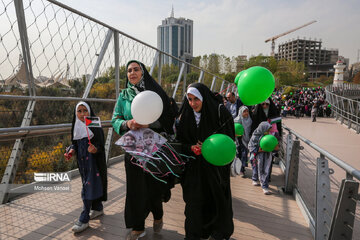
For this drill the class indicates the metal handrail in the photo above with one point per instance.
(348, 168)
(7, 134)
(46, 98)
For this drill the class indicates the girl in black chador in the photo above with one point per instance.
(206, 187)
(92, 165)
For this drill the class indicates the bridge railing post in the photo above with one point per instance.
(13, 162)
(342, 223)
(323, 204)
(292, 166)
(287, 156)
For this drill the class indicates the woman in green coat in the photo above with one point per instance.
(144, 194)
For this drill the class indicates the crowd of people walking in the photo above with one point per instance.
(310, 102)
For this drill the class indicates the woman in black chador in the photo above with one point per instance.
(206, 187)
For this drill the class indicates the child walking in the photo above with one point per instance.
(261, 161)
(88, 145)
(242, 150)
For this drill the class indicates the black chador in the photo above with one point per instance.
(206, 187)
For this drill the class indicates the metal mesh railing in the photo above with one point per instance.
(311, 182)
(345, 109)
(10, 48)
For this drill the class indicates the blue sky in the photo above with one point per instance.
(233, 27)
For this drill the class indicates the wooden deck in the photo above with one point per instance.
(51, 215)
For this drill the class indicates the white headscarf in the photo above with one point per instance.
(196, 93)
(80, 127)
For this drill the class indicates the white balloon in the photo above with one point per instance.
(146, 107)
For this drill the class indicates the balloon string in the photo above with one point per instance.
(222, 125)
(168, 159)
(147, 170)
(149, 162)
(225, 89)
(168, 167)
(171, 150)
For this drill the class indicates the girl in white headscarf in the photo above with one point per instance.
(88, 145)
(245, 120)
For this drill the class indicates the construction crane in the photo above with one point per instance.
(272, 39)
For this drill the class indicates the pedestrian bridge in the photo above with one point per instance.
(314, 187)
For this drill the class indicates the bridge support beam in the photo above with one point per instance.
(213, 83)
(13, 162)
(323, 199)
(342, 223)
(292, 165)
(201, 77)
(178, 80)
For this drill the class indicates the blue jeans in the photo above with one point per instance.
(88, 205)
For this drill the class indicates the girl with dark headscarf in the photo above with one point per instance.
(144, 194)
(92, 165)
(265, 112)
(206, 188)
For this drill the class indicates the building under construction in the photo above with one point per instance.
(307, 51)
(318, 61)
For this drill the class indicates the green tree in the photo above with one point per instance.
(230, 77)
(192, 77)
(196, 61)
(214, 64)
(263, 61)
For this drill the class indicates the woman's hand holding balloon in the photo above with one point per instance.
(133, 125)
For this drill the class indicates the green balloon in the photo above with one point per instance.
(268, 143)
(329, 105)
(218, 149)
(293, 101)
(290, 93)
(239, 129)
(255, 85)
(282, 107)
(238, 76)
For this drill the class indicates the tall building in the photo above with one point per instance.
(175, 37)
